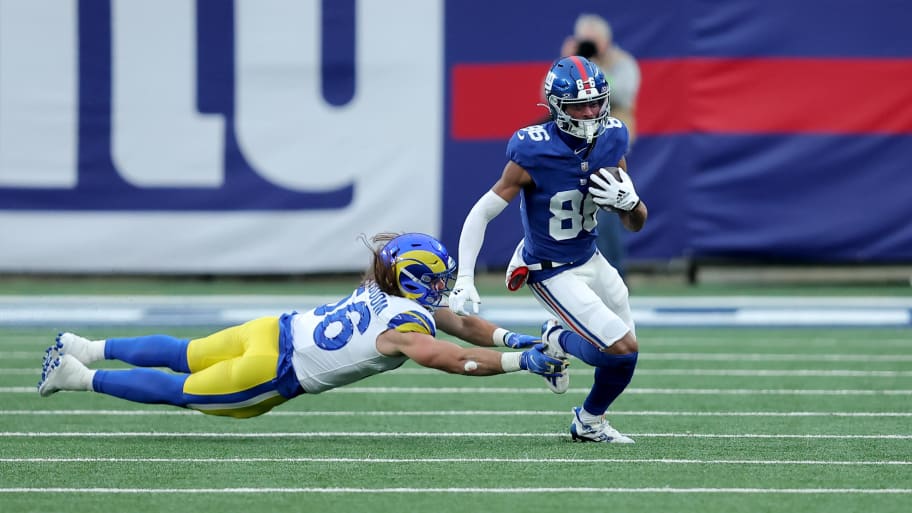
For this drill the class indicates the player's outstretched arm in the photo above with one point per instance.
(478, 331)
(427, 351)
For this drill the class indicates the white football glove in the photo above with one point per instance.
(464, 290)
(614, 193)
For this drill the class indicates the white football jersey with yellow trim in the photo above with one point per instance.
(336, 344)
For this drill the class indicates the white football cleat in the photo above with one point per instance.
(598, 432)
(550, 331)
(85, 350)
(63, 372)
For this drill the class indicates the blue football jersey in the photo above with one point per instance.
(558, 213)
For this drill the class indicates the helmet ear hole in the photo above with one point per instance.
(410, 287)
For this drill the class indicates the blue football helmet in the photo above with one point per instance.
(575, 80)
(424, 269)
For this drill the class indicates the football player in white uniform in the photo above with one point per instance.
(246, 370)
(551, 167)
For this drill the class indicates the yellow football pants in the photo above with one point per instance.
(233, 371)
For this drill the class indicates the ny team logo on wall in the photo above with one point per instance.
(188, 113)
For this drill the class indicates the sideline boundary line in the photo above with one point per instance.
(736, 311)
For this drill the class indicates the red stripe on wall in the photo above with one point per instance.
(752, 96)
(802, 95)
(491, 101)
(663, 105)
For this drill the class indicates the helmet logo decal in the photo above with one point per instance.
(549, 79)
(586, 87)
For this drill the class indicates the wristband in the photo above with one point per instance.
(510, 361)
(500, 337)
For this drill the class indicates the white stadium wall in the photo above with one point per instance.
(113, 162)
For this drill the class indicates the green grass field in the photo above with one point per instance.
(725, 420)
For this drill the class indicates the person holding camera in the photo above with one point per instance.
(592, 38)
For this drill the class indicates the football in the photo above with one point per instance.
(613, 171)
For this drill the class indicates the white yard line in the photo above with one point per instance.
(809, 373)
(674, 356)
(343, 490)
(668, 461)
(792, 339)
(543, 391)
(644, 391)
(463, 413)
(777, 357)
(804, 373)
(419, 434)
(649, 341)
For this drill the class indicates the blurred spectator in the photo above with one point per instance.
(592, 39)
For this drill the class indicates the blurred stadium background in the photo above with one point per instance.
(184, 165)
(213, 137)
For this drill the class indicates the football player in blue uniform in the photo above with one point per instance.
(556, 170)
(246, 370)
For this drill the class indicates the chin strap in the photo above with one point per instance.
(590, 130)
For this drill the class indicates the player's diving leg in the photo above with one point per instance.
(149, 351)
(233, 374)
(143, 351)
(165, 350)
